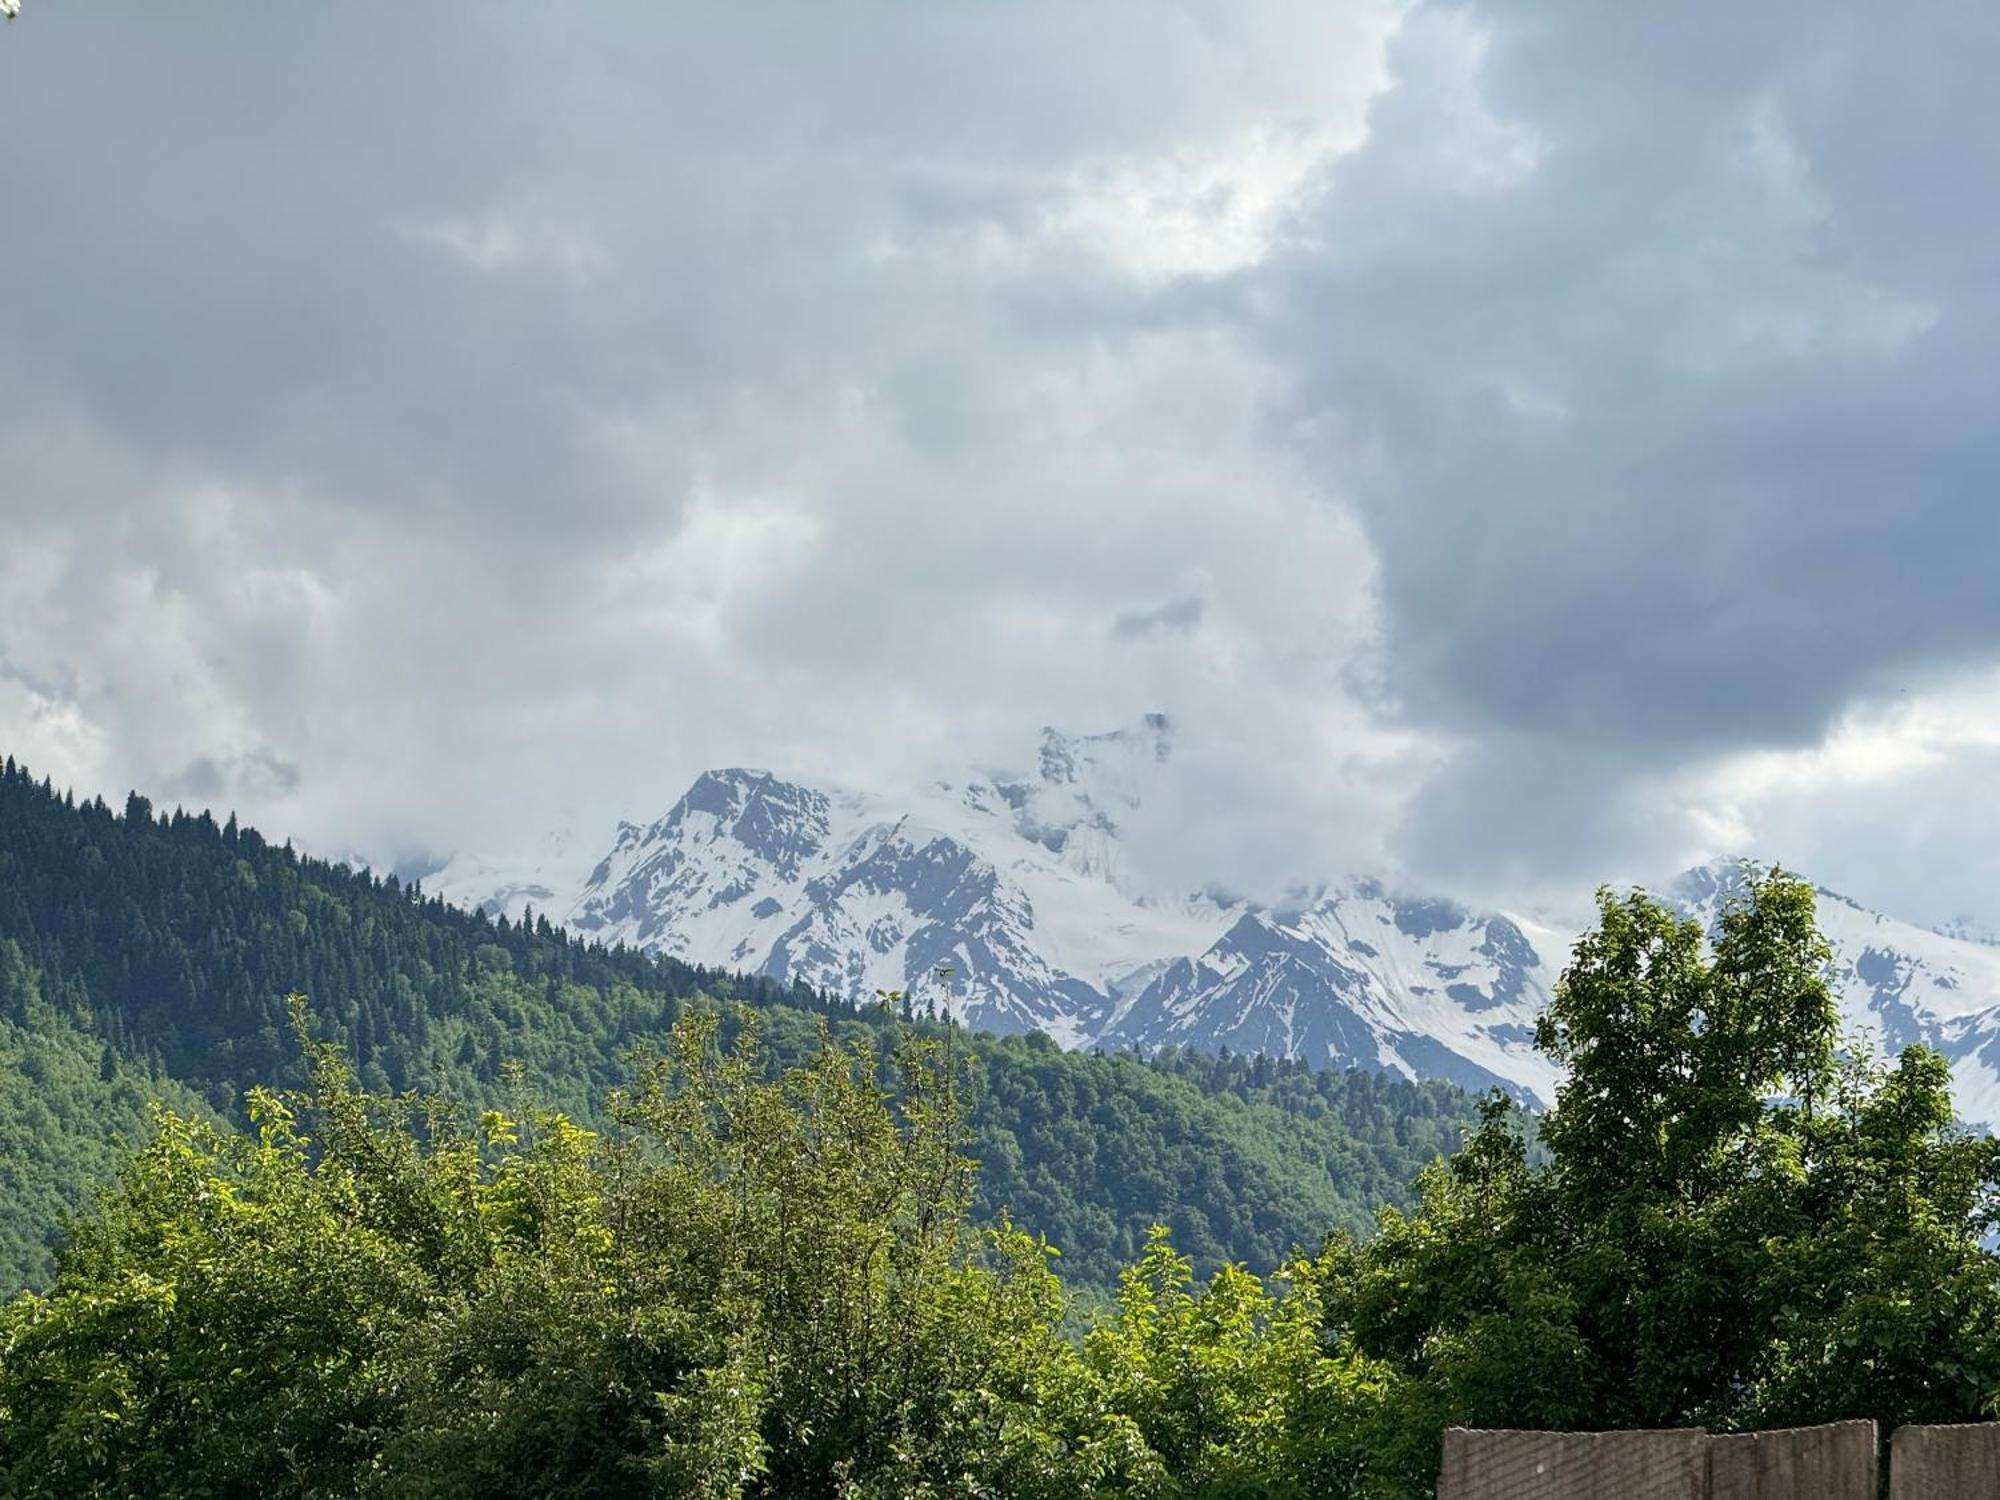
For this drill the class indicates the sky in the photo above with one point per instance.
(1523, 445)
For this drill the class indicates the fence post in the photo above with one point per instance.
(1837, 1461)
(1667, 1464)
(1945, 1463)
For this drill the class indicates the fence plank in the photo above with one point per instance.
(1480, 1464)
(1945, 1463)
(1834, 1462)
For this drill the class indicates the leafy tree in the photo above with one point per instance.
(1228, 1386)
(750, 1286)
(1735, 1225)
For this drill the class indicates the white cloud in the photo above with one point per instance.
(1200, 211)
(720, 561)
(51, 734)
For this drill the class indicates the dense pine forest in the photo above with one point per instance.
(148, 954)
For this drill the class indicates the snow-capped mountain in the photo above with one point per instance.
(1011, 900)
(1360, 977)
(1016, 883)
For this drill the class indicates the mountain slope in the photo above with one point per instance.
(1361, 978)
(70, 1104)
(1022, 887)
(1017, 883)
(1010, 901)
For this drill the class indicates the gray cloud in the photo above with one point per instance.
(1650, 349)
(498, 413)
(1175, 616)
(206, 781)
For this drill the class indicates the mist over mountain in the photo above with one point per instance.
(1014, 901)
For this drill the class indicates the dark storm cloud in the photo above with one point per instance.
(1655, 349)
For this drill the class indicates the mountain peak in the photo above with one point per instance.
(1068, 758)
(723, 788)
(1022, 884)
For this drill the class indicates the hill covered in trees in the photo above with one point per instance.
(753, 1281)
(147, 955)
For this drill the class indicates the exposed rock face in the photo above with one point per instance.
(1020, 883)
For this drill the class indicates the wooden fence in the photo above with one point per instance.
(1487, 1465)
(1944, 1463)
(1794, 1463)
(1836, 1462)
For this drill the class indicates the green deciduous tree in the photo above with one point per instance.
(751, 1285)
(1735, 1224)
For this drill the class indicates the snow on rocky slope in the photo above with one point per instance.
(1362, 977)
(1016, 883)
(543, 881)
(1021, 884)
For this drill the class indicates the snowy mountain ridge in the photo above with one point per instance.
(1022, 885)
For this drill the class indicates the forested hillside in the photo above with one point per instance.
(69, 1107)
(756, 1281)
(148, 955)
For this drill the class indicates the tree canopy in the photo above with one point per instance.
(1740, 1222)
(744, 1286)
(759, 1275)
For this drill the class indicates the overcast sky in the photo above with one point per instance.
(1523, 444)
